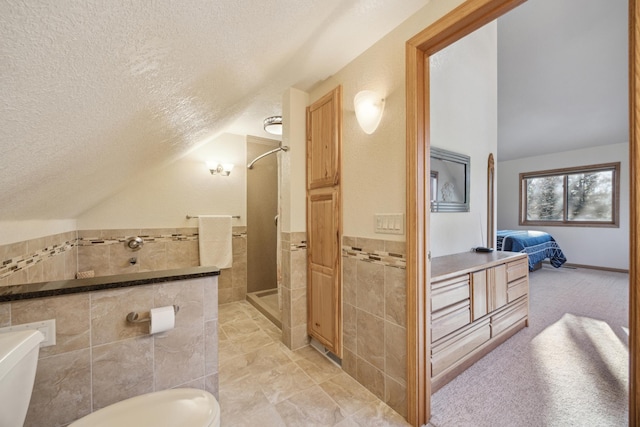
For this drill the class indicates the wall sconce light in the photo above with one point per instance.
(273, 125)
(221, 168)
(369, 107)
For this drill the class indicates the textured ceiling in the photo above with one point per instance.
(562, 76)
(95, 92)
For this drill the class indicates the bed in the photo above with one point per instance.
(537, 245)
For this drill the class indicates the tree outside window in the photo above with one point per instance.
(583, 196)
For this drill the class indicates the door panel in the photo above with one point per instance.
(324, 221)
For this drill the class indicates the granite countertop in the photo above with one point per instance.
(64, 287)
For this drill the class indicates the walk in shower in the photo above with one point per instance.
(263, 231)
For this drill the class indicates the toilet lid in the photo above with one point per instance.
(168, 408)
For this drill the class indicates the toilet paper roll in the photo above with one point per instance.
(162, 319)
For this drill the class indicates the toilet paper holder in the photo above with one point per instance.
(134, 317)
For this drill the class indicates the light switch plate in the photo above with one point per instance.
(47, 327)
(389, 223)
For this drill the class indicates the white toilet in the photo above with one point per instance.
(168, 408)
(18, 362)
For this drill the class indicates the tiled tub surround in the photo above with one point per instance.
(294, 290)
(39, 260)
(374, 317)
(60, 256)
(100, 359)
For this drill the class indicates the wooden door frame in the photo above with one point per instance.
(461, 21)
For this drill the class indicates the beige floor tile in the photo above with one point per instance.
(311, 407)
(239, 328)
(348, 393)
(267, 417)
(378, 414)
(240, 399)
(251, 342)
(263, 383)
(318, 367)
(231, 312)
(284, 381)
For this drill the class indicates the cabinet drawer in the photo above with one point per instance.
(447, 320)
(517, 289)
(448, 292)
(517, 269)
(451, 349)
(510, 315)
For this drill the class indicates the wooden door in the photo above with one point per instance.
(324, 221)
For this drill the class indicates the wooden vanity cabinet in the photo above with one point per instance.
(478, 300)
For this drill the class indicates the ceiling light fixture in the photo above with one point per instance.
(369, 107)
(273, 125)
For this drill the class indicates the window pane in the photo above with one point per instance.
(590, 196)
(544, 198)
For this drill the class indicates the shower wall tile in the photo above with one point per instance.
(94, 258)
(119, 260)
(181, 254)
(154, 257)
(374, 317)
(120, 360)
(36, 260)
(225, 280)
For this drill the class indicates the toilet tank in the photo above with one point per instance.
(18, 363)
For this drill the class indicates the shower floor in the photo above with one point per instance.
(267, 303)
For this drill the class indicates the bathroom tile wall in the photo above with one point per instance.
(294, 289)
(100, 359)
(104, 252)
(374, 317)
(60, 256)
(38, 260)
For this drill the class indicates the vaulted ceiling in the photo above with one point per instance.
(562, 76)
(94, 92)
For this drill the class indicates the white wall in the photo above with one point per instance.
(598, 247)
(293, 163)
(373, 166)
(163, 197)
(18, 231)
(464, 102)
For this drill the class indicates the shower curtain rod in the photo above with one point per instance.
(275, 150)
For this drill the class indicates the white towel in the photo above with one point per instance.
(214, 238)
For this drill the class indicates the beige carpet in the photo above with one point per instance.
(568, 368)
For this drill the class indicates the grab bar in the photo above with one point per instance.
(261, 156)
